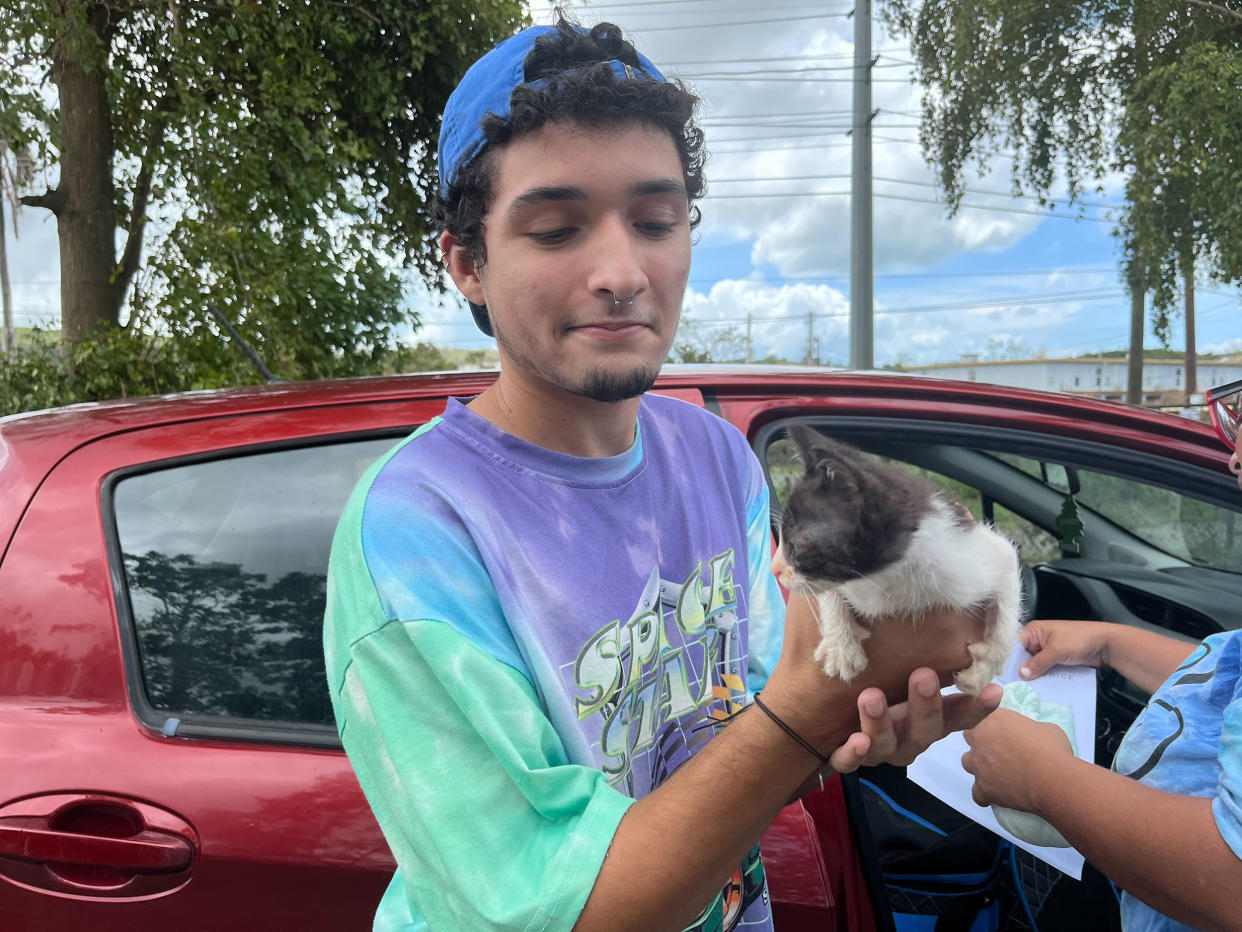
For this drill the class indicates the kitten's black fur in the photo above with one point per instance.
(849, 515)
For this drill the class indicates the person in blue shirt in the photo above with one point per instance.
(1165, 824)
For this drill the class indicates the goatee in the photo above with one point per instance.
(610, 386)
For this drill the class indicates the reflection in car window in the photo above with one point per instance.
(225, 563)
(1181, 526)
(1177, 524)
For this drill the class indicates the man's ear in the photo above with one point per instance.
(461, 266)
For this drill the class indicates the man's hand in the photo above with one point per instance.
(1008, 753)
(938, 640)
(899, 734)
(893, 711)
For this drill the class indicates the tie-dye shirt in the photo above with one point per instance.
(520, 643)
(1188, 740)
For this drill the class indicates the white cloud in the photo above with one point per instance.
(778, 316)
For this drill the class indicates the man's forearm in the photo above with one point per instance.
(1163, 848)
(675, 848)
(1143, 657)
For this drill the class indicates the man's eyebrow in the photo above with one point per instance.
(659, 186)
(547, 193)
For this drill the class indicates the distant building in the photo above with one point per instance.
(1163, 379)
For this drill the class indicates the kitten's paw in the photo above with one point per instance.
(980, 673)
(841, 660)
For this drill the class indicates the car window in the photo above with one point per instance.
(1184, 527)
(1035, 544)
(224, 565)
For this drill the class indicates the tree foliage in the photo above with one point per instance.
(700, 342)
(276, 156)
(125, 362)
(1080, 89)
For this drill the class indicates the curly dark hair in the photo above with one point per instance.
(579, 88)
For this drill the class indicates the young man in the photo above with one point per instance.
(1167, 824)
(544, 604)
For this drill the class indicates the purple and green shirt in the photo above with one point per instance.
(520, 643)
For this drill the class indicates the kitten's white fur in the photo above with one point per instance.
(945, 566)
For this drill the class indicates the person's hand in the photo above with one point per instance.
(938, 640)
(1008, 752)
(899, 734)
(832, 713)
(1080, 643)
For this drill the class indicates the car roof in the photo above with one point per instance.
(32, 443)
(63, 429)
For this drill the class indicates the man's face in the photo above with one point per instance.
(582, 223)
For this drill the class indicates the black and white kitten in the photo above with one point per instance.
(866, 539)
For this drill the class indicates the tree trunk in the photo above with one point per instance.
(87, 220)
(6, 294)
(1191, 351)
(1138, 326)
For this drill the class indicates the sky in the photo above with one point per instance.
(1004, 275)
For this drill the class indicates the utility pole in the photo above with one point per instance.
(1191, 360)
(809, 358)
(750, 347)
(1138, 320)
(862, 355)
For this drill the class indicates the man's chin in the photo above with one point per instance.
(614, 385)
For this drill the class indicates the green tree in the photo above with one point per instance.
(277, 157)
(1078, 89)
(698, 342)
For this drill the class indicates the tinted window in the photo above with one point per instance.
(225, 564)
(1187, 528)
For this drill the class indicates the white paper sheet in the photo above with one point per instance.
(939, 769)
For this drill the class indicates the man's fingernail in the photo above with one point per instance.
(874, 707)
(1025, 672)
(927, 689)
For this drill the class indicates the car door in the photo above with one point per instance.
(1154, 542)
(173, 760)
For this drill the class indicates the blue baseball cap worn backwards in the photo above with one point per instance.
(487, 88)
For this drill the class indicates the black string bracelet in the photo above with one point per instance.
(810, 748)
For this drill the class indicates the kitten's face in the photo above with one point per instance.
(847, 517)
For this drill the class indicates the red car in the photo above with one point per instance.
(171, 759)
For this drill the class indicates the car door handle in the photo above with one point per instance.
(98, 845)
(29, 838)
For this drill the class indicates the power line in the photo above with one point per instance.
(921, 184)
(807, 70)
(1017, 273)
(808, 144)
(779, 58)
(708, 77)
(915, 200)
(1066, 298)
(806, 130)
(1009, 210)
(745, 22)
(770, 116)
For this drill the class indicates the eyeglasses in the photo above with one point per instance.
(1225, 404)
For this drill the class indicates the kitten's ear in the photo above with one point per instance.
(806, 439)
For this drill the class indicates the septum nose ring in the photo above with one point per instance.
(617, 301)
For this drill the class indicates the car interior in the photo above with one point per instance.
(1105, 533)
